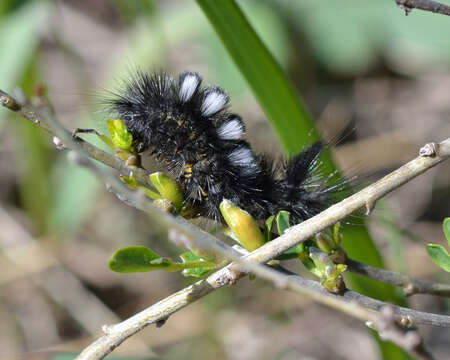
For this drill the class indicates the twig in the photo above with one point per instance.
(431, 155)
(427, 5)
(410, 285)
(267, 273)
(389, 329)
(116, 334)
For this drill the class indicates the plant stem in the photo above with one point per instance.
(410, 285)
(426, 5)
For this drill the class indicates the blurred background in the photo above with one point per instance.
(365, 71)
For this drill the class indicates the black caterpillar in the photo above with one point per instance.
(188, 128)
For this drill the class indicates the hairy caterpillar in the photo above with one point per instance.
(188, 128)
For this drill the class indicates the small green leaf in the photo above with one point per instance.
(168, 188)
(130, 181)
(439, 255)
(134, 259)
(242, 224)
(446, 227)
(283, 221)
(268, 228)
(198, 267)
(119, 134)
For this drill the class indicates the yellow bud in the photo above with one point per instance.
(242, 224)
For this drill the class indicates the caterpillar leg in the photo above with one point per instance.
(103, 138)
(85, 131)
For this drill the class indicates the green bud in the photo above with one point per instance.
(337, 235)
(334, 284)
(324, 242)
(168, 188)
(129, 158)
(119, 134)
(130, 181)
(339, 256)
(242, 224)
(330, 274)
(321, 259)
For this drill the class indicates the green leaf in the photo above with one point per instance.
(439, 255)
(134, 259)
(283, 221)
(446, 227)
(196, 262)
(268, 228)
(292, 253)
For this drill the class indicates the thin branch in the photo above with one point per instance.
(427, 5)
(410, 340)
(350, 302)
(410, 285)
(267, 273)
(432, 154)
